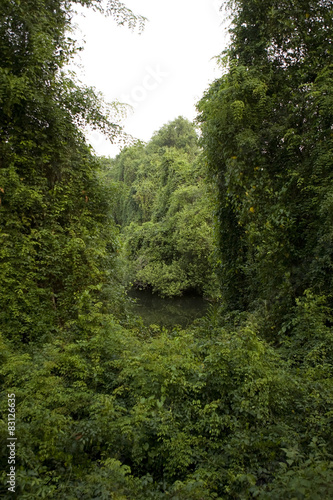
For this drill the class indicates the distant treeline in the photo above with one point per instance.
(165, 209)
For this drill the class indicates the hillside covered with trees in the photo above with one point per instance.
(237, 406)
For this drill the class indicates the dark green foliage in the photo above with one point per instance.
(267, 138)
(209, 413)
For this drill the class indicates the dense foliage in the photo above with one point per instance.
(164, 210)
(213, 412)
(58, 240)
(238, 406)
(267, 135)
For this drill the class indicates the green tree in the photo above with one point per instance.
(58, 241)
(166, 213)
(267, 138)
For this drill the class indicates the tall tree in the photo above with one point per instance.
(58, 242)
(267, 135)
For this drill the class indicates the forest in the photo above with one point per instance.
(162, 205)
(236, 207)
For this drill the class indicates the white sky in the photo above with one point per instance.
(162, 72)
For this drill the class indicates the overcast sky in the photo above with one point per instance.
(162, 72)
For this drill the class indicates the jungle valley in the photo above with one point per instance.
(236, 208)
